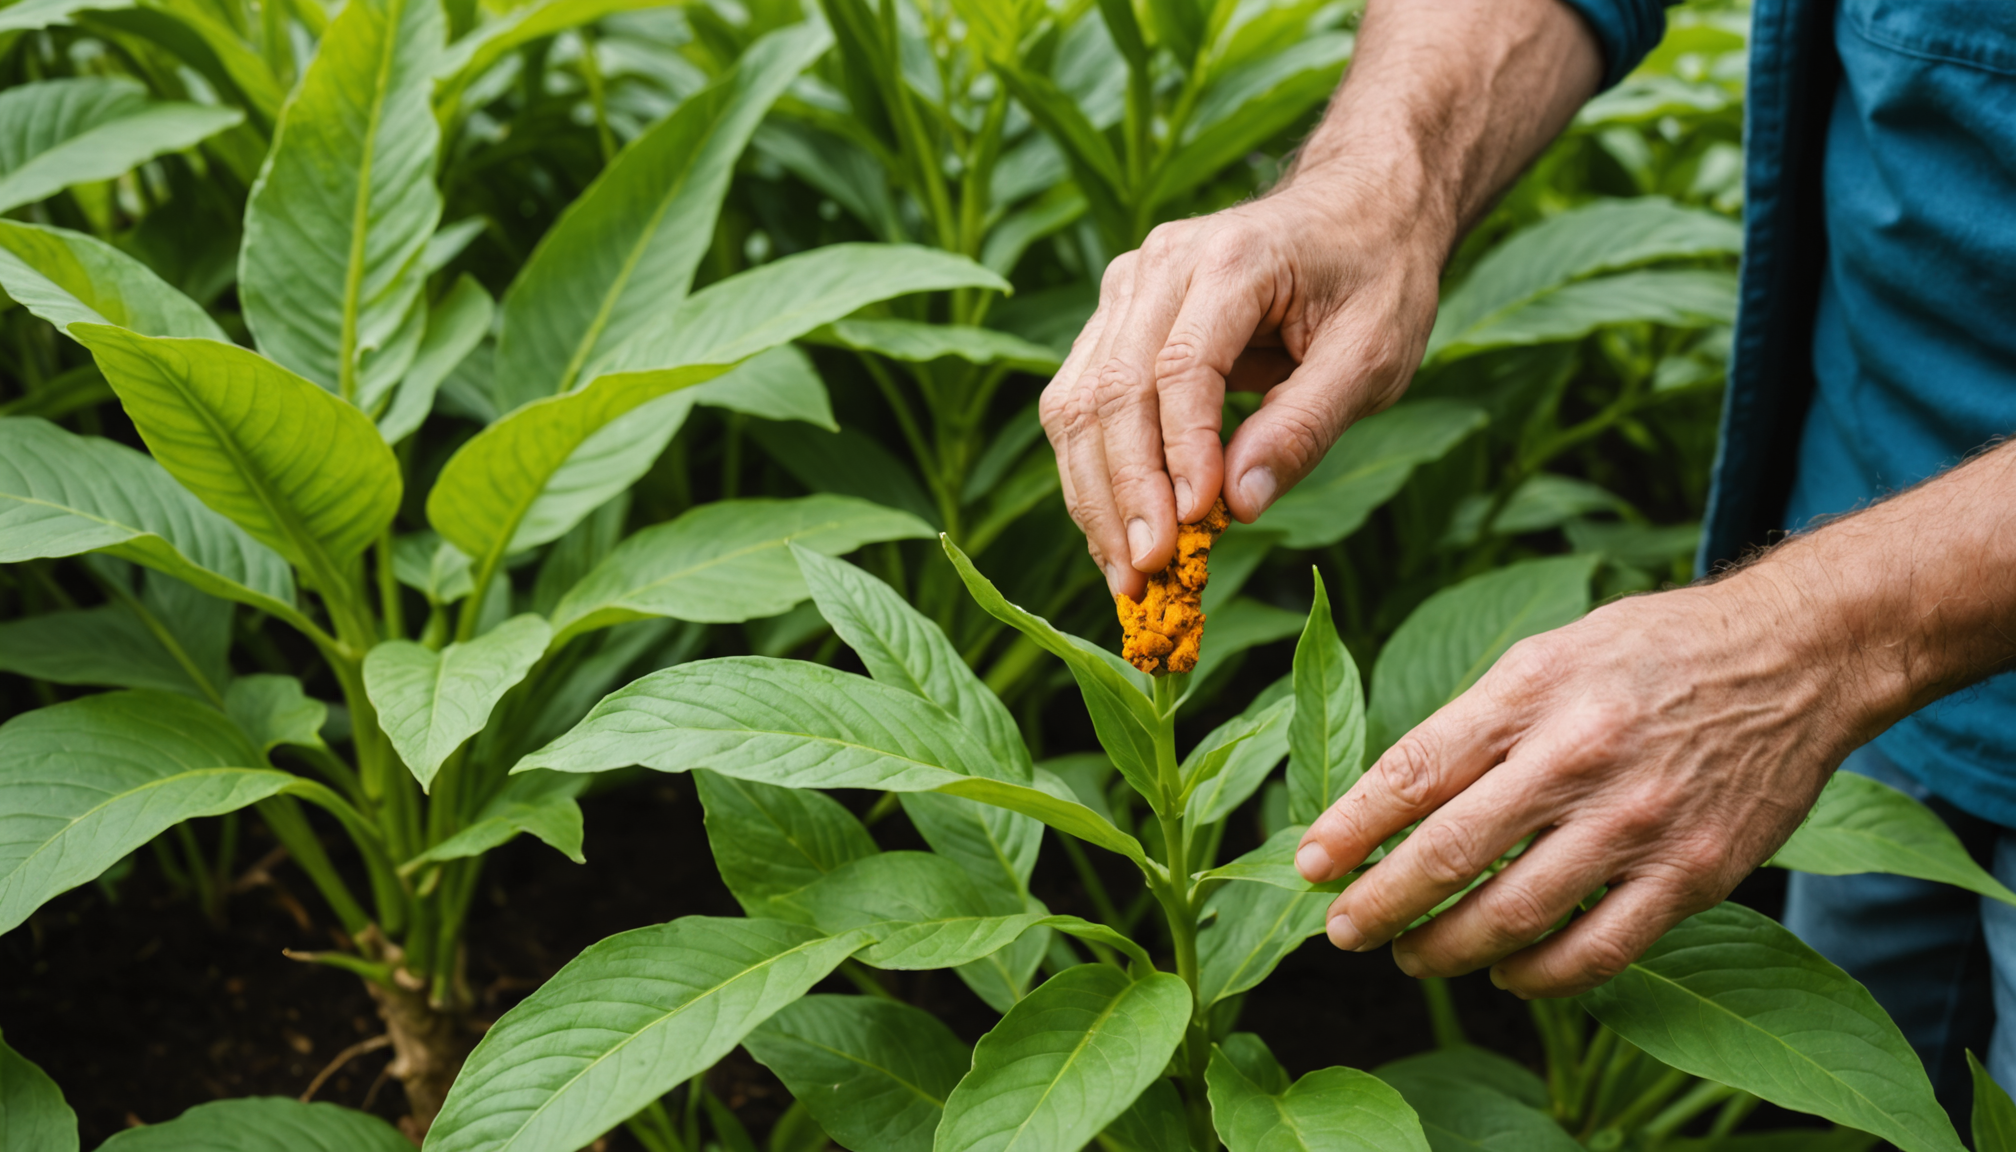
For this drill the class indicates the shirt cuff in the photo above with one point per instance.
(1625, 29)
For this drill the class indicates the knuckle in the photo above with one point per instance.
(1514, 914)
(1119, 274)
(1447, 854)
(1119, 388)
(1408, 770)
(1600, 958)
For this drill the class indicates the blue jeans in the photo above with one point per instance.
(1940, 960)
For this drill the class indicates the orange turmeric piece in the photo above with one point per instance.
(1165, 629)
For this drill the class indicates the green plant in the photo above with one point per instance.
(1132, 1043)
(282, 471)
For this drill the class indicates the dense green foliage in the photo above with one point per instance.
(386, 386)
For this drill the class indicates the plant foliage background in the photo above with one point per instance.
(384, 384)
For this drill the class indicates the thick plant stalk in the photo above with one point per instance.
(428, 1044)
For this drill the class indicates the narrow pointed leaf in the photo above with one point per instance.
(303, 472)
(1250, 762)
(725, 562)
(800, 725)
(1330, 1110)
(540, 803)
(1273, 862)
(873, 1072)
(108, 646)
(62, 494)
(1326, 737)
(477, 52)
(781, 384)
(921, 343)
(65, 276)
(1367, 467)
(58, 133)
(489, 491)
(624, 253)
(923, 910)
(1681, 298)
(1066, 1061)
(1123, 718)
(330, 272)
(85, 782)
(455, 327)
(263, 1124)
(1457, 634)
(770, 842)
(623, 1024)
(1994, 1112)
(33, 1114)
(1733, 996)
(429, 702)
(1861, 825)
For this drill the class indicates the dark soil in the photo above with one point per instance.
(140, 1008)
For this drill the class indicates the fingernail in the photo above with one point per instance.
(1183, 510)
(1497, 978)
(1409, 963)
(1113, 579)
(1140, 538)
(1258, 486)
(1344, 934)
(1313, 861)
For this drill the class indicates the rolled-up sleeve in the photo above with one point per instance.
(1626, 29)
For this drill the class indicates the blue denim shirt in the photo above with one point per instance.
(1877, 331)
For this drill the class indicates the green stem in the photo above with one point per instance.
(389, 605)
(1442, 1016)
(1650, 1101)
(1095, 888)
(199, 870)
(290, 826)
(1704, 1095)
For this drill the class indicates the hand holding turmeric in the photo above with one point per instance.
(1164, 630)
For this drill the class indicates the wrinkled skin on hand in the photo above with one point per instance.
(1165, 628)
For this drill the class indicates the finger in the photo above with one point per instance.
(1090, 490)
(1442, 756)
(1129, 406)
(1516, 907)
(1225, 304)
(1054, 407)
(1597, 946)
(1345, 375)
(1441, 857)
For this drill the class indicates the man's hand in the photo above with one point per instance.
(1665, 745)
(1320, 294)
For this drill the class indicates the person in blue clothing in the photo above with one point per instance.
(1669, 743)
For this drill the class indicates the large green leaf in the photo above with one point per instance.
(923, 910)
(725, 562)
(33, 15)
(488, 494)
(65, 276)
(1457, 634)
(274, 710)
(1236, 625)
(1461, 1111)
(85, 782)
(1066, 1061)
(1536, 282)
(622, 1024)
(58, 133)
(1245, 108)
(1733, 996)
(1326, 738)
(800, 725)
(901, 647)
(1685, 298)
(769, 842)
(1153, 1123)
(1330, 1110)
(33, 1114)
(624, 253)
(455, 326)
(873, 1072)
(1123, 718)
(305, 473)
(1994, 1112)
(429, 702)
(263, 1124)
(62, 494)
(1862, 825)
(1252, 928)
(781, 384)
(330, 273)
(1366, 467)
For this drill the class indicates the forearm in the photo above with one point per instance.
(1908, 600)
(1447, 101)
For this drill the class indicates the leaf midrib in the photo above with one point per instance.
(1070, 1059)
(117, 797)
(360, 214)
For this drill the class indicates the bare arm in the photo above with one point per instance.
(1320, 294)
(1667, 744)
